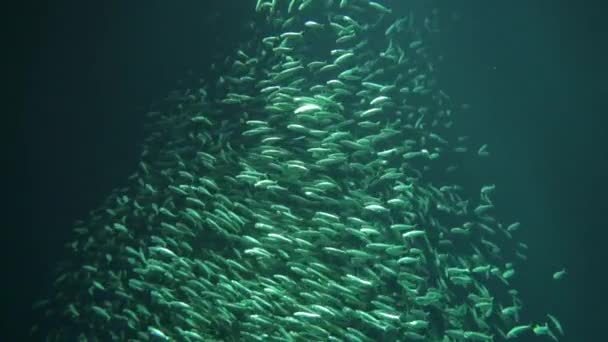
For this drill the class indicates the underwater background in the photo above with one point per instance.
(82, 76)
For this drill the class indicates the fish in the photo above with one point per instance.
(518, 330)
(559, 274)
(306, 189)
(556, 324)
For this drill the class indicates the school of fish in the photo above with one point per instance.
(307, 195)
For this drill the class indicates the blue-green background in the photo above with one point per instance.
(79, 75)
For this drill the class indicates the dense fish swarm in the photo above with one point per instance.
(308, 199)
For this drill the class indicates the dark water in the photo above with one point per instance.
(80, 78)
